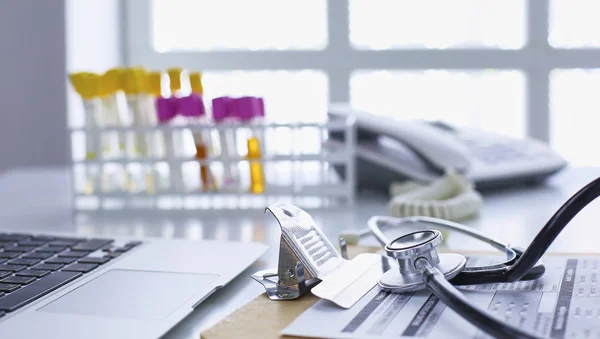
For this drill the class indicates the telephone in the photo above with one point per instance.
(388, 150)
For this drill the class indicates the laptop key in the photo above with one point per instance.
(84, 268)
(38, 255)
(2, 313)
(49, 267)
(36, 290)
(24, 261)
(21, 249)
(8, 288)
(60, 261)
(51, 249)
(13, 237)
(4, 274)
(133, 243)
(42, 238)
(91, 245)
(34, 243)
(62, 243)
(6, 243)
(2, 261)
(12, 268)
(93, 260)
(9, 255)
(33, 273)
(73, 254)
(18, 280)
(113, 254)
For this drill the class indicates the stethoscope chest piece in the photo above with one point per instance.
(410, 247)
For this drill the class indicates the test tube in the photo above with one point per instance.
(134, 85)
(203, 138)
(183, 140)
(110, 85)
(87, 86)
(138, 146)
(166, 109)
(222, 115)
(248, 109)
(155, 139)
(152, 91)
(192, 107)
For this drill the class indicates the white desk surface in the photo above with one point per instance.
(39, 200)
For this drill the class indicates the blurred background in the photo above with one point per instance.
(517, 67)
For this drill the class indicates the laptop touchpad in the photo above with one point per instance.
(132, 294)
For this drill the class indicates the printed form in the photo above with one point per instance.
(564, 303)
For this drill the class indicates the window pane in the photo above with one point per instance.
(238, 24)
(574, 23)
(439, 24)
(574, 103)
(289, 95)
(491, 100)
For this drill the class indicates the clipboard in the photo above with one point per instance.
(264, 318)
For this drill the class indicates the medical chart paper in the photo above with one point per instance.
(564, 303)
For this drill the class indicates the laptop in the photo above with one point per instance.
(72, 287)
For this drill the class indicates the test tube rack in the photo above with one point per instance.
(322, 175)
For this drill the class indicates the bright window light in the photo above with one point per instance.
(574, 23)
(491, 100)
(574, 103)
(437, 24)
(238, 24)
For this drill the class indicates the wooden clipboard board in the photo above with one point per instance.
(264, 318)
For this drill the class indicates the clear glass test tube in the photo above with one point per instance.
(166, 111)
(192, 107)
(248, 109)
(223, 118)
(87, 85)
(92, 108)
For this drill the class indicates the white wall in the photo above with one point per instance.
(32, 86)
(40, 41)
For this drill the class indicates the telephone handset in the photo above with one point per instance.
(388, 149)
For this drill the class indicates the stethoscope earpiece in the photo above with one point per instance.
(410, 247)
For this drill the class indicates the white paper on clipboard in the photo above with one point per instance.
(564, 303)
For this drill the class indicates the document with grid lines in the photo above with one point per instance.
(564, 303)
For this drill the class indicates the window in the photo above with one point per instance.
(517, 67)
(238, 25)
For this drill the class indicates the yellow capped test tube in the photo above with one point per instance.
(112, 111)
(196, 83)
(139, 142)
(87, 85)
(175, 80)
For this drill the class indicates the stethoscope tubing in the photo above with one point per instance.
(526, 261)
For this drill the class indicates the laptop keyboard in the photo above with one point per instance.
(32, 266)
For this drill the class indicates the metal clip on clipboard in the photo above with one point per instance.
(309, 262)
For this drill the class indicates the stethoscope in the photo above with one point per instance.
(420, 266)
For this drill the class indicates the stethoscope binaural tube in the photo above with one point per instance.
(552, 229)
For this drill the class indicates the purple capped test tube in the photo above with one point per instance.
(166, 110)
(224, 114)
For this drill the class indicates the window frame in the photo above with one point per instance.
(338, 60)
